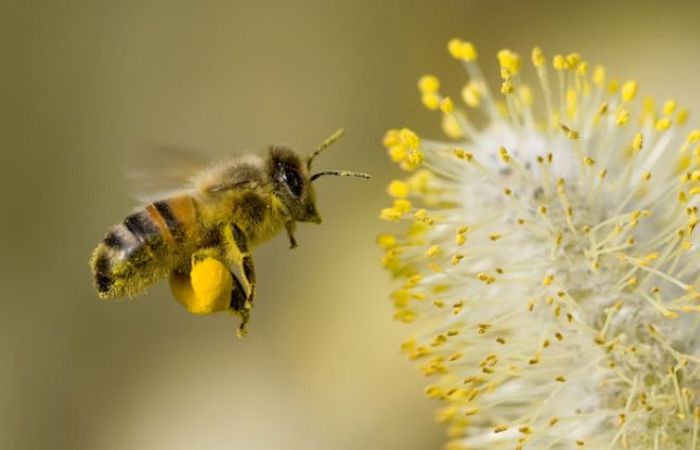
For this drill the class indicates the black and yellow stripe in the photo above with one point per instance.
(141, 249)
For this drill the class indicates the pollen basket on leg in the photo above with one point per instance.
(546, 259)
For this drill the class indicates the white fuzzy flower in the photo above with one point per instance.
(549, 264)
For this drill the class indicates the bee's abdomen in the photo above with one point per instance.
(143, 248)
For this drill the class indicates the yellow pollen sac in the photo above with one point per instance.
(390, 214)
(559, 63)
(526, 95)
(447, 106)
(503, 154)
(433, 251)
(507, 87)
(573, 60)
(397, 153)
(629, 90)
(538, 59)
(548, 280)
(599, 76)
(415, 157)
(646, 176)
(386, 241)
(409, 138)
(663, 124)
(582, 69)
(571, 134)
(589, 161)
(208, 288)
(402, 205)
(398, 189)
(669, 107)
(391, 137)
(638, 142)
(428, 84)
(682, 116)
(471, 95)
(622, 117)
(422, 216)
(430, 100)
(509, 61)
(463, 50)
(461, 154)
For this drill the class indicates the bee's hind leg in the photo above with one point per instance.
(238, 305)
(238, 253)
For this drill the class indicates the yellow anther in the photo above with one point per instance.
(471, 94)
(602, 109)
(507, 87)
(538, 59)
(646, 175)
(402, 205)
(548, 280)
(456, 259)
(560, 379)
(582, 69)
(451, 126)
(428, 83)
(599, 76)
(461, 154)
(386, 240)
(391, 214)
(614, 86)
(397, 153)
(447, 106)
(463, 50)
(570, 133)
(669, 107)
(415, 157)
(409, 138)
(682, 116)
(589, 161)
(504, 155)
(422, 216)
(629, 90)
(622, 117)
(559, 62)
(433, 251)
(553, 421)
(398, 189)
(500, 429)
(430, 100)
(694, 137)
(391, 138)
(573, 60)
(638, 142)
(663, 124)
(509, 61)
(646, 260)
(495, 236)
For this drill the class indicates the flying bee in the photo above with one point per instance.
(197, 234)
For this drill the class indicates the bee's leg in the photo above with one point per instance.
(239, 254)
(290, 227)
(238, 301)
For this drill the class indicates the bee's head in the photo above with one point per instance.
(292, 182)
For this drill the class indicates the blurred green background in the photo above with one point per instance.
(87, 86)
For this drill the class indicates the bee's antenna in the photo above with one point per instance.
(340, 173)
(331, 139)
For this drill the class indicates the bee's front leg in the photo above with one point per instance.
(290, 226)
(238, 253)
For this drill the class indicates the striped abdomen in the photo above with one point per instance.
(145, 247)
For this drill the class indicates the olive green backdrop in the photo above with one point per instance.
(87, 86)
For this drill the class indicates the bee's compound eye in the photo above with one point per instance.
(293, 181)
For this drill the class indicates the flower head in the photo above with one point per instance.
(548, 260)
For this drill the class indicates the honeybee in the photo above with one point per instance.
(195, 235)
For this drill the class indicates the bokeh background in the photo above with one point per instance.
(87, 86)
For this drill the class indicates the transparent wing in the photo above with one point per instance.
(164, 170)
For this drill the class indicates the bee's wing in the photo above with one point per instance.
(164, 170)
